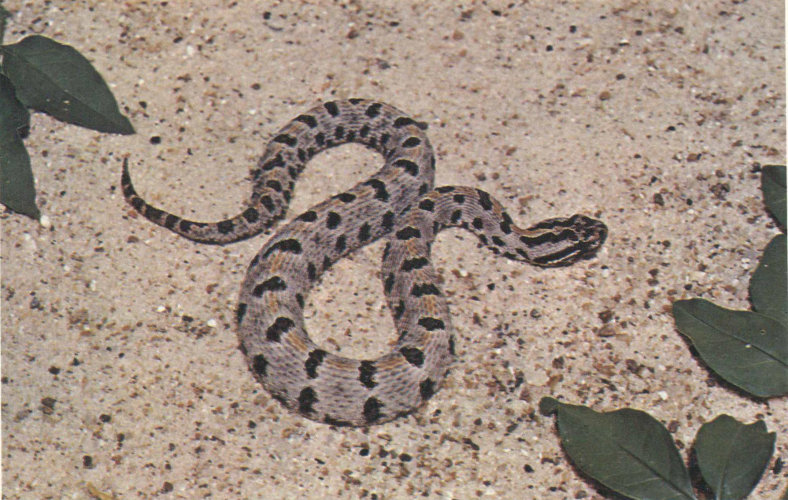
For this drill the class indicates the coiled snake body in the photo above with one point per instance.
(398, 201)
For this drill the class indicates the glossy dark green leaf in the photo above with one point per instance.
(732, 456)
(58, 80)
(17, 187)
(773, 186)
(769, 283)
(626, 450)
(745, 348)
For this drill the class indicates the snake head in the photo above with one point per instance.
(564, 241)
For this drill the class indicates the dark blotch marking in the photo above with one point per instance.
(427, 205)
(506, 227)
(372, 411)
(451, 345)
(404, 121)
(389, 283)
(408, 232)
(341, 243)
(426, 389)
(308, 216)
(498, 241)
(240, 312)
(314, 360)
(456, 216)
(274, 284)
(380, 189)
(373, 110)
(225, 226)
(423, 189)
(280, 326)
(153, 212)
(268, 203)
(289, 245)
(409, 166)
(388, 220)
(411, 142)
(366, 374)
(320, 139)
(339, 132)
(326, 262)
(444, 189)
(286, 139)
(300, 300)
(332, 108)
(333, 220)
(419, 290)
(251, 215)
(399, 310)
(363, 233)
(459, 198)
(306, 400)
(484, 200)
(185, 226)
(414, 263)
(273, 163)
(351, 135)
(364, 131)
(275, 185)
(355, 100)
(259, 364)
(431, 323)
(477, 223)
(413, 356)
(311, 271)
(346, 197)
(170, 221)
(309, 120)
(384, 138)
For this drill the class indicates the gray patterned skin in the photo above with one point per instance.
(398, 202)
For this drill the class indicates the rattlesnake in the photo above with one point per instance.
(398, 201)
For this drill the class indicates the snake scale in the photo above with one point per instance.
(400, 202)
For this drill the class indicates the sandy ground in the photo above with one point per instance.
(120, 367)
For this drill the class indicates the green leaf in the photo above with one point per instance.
(732, 456)
(626, 450)
(773, 187)
(17, 187)
(769, 282)
(58, 80)
(745, 348)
